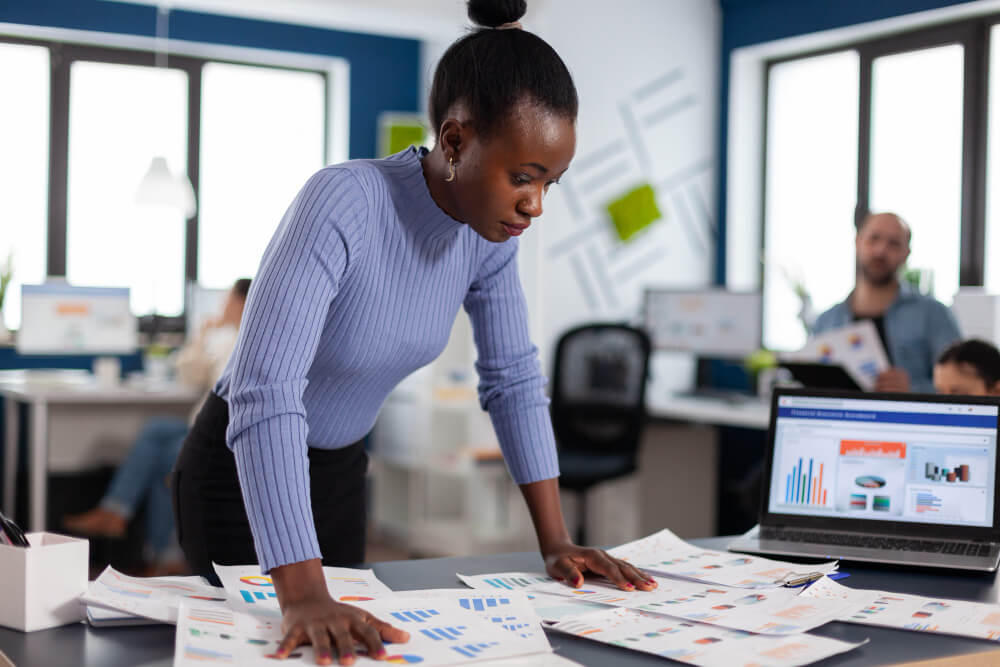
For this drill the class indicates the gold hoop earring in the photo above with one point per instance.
(451, 171)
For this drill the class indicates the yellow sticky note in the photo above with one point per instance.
(634, 211)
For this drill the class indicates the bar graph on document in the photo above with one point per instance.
(506, 581)
(807, 483)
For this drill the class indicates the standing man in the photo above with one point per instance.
(914, 328)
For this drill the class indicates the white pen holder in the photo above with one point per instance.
(42, 584)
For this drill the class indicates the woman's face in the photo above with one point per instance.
(952, 378)
(501, 180)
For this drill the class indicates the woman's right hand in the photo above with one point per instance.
(311, 616)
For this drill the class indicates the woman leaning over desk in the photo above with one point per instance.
(358, 288)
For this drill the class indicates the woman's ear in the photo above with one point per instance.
(451, 138)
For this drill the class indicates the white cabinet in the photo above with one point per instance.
(440, 487)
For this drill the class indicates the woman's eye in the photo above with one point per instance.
(522, 179)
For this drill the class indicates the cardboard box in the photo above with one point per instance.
(43, 584)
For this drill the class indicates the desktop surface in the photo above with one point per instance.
(152, 646)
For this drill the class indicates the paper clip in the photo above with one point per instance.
(793, 579)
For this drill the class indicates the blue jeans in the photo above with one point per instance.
(142, 475)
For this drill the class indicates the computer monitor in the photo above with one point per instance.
(706, 322)
(202, 304)
(63, 319)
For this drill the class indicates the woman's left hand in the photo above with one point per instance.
(569, 562)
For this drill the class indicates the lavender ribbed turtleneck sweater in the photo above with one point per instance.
(359, 287)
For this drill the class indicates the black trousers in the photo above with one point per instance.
(212, 523)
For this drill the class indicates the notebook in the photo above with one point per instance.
(907, 479)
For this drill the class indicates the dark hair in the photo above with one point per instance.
(983, 357)
(242, 287)
(491, 71)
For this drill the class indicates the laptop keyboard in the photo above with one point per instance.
(877, 542)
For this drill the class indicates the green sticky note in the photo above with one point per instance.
(402, 136)
(634, 211)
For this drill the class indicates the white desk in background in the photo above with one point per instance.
(747, 413)
(76, 424)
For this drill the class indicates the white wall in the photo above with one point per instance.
(647, 75)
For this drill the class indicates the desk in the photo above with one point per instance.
(749, 413)
(76, 424)
(153, 646)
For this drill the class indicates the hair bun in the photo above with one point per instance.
(493, 13)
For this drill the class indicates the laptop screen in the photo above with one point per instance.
(928, 462)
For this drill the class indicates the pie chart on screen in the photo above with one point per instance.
(354, 598)
(404, 659)
(869, 482)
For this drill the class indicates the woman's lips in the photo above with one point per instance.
(514, 230)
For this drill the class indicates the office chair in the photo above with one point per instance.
(598, 406)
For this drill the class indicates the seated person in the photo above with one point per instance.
(914, 328)
(971, 367)
(142, 476)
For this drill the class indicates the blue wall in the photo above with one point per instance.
(385, 71)
(747, 22)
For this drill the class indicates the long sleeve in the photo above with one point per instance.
(511, 384)
(299, 277)
(942, 331)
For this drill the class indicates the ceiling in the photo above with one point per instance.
(419, 19)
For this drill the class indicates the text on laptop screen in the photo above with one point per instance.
(924, 462)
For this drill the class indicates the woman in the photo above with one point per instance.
(970, 367)
(358, 288)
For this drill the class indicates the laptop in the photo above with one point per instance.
(906, 479)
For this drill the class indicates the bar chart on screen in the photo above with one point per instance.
(806, 482)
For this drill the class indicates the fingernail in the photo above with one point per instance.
(325, 655)
(629, 587)
(381, 652)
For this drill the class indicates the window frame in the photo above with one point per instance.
(974, 36)
(62, 55)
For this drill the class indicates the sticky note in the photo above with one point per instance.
(634, 211)
(402, 136)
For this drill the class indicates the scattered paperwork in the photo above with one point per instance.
(254, 590)
(912, 612)
(777, 611)
(698, 643)
(666, 554)
(441, 633)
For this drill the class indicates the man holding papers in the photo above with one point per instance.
(914, 328)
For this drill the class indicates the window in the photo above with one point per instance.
(916, 155)
(120, 117)
(811, 184)
(992, 281)
(262, 137)
(895, 124)
(24, 169)
(81, 133)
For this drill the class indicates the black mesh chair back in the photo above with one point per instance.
(599, 389)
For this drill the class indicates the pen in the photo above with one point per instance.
(12, 533)
(804, 579)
